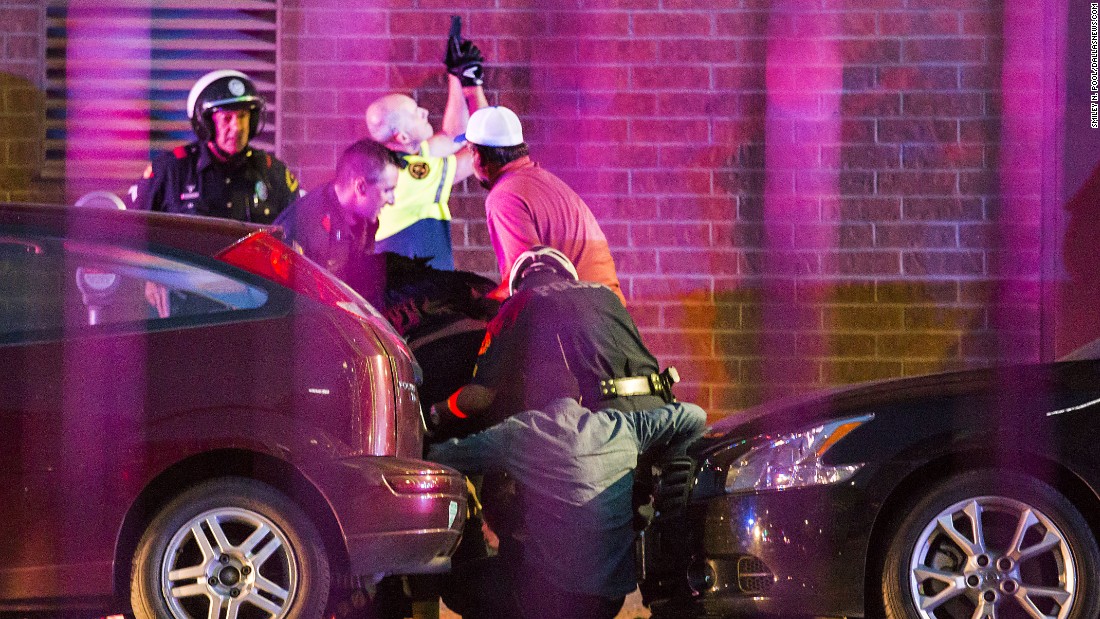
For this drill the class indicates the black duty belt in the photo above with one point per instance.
(652, 384)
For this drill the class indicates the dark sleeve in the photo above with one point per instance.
(150, 188)
(501, 353)
(284, 186)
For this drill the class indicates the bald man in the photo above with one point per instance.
(418, 223)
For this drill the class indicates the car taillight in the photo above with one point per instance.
(264, 255)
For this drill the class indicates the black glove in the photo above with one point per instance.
(463, 58)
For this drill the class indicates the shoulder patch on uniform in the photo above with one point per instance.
(485, 343)
(267, 158)
(291, 181)
(180, 152)
(419, 170)
(148, 173)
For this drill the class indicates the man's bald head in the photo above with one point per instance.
(396, 120)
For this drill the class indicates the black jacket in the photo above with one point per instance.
(252, 186)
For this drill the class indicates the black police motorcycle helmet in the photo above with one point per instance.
(224, 89)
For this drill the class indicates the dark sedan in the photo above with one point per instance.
(971, 494)
(195, 421)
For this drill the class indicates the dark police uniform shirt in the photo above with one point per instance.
(315, 225)
(253, 186)
(560, 339)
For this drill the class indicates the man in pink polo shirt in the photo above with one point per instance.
(528, 206)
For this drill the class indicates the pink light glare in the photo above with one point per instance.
(804, 82)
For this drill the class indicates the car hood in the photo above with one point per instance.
(1036, 390)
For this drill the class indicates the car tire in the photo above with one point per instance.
(938, 564)
(234, 542)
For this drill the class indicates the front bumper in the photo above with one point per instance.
(797, 552)
(392, 528)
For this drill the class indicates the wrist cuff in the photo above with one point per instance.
(452, 405)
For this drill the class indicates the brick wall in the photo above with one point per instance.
(22, 102)
(794, 197)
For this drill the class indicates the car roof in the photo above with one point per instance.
(204, 235)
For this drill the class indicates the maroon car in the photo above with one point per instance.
(198, 420)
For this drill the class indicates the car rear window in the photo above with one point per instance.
(51, 283)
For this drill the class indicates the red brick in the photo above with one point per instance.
(670, 77)
(922, 77)
(298, 49)
(773, 263)
(740, 24)
(919, 23)
(852, 235)
(956, 263)
(670, 182)
(20, 20)
(737, 182)
(943, 156)
(597, 130)
(861, 263)
(917, 130)
(362, 49)
(918, 182)
(475, 6)
(634, 261)
(870, 51)
(857, 131)
(739, 78)
(862, 318)
(588, 78)
(872, 104)
(666, 234)
(978, 130)
(948, 4)
(623, 206)
(599, 23)
(669, 23)
(697, 207)
(864, 157)
(669, 131)
(680, 156)
(981, 23)
(631, 104)
(664, 287)
(943, 104)
(589, 182)
(598, 50)
(628, 157)
(861, 208)
(943, 209)
(858, 79)
(957, 49)
(918, 346)
(909, 236)
(342, 23)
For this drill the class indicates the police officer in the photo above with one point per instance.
(220, 175)
(571, 400)
(557, 337)
(334, 226)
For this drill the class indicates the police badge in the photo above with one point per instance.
(419, 170)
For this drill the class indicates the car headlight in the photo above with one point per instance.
(792, 460)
